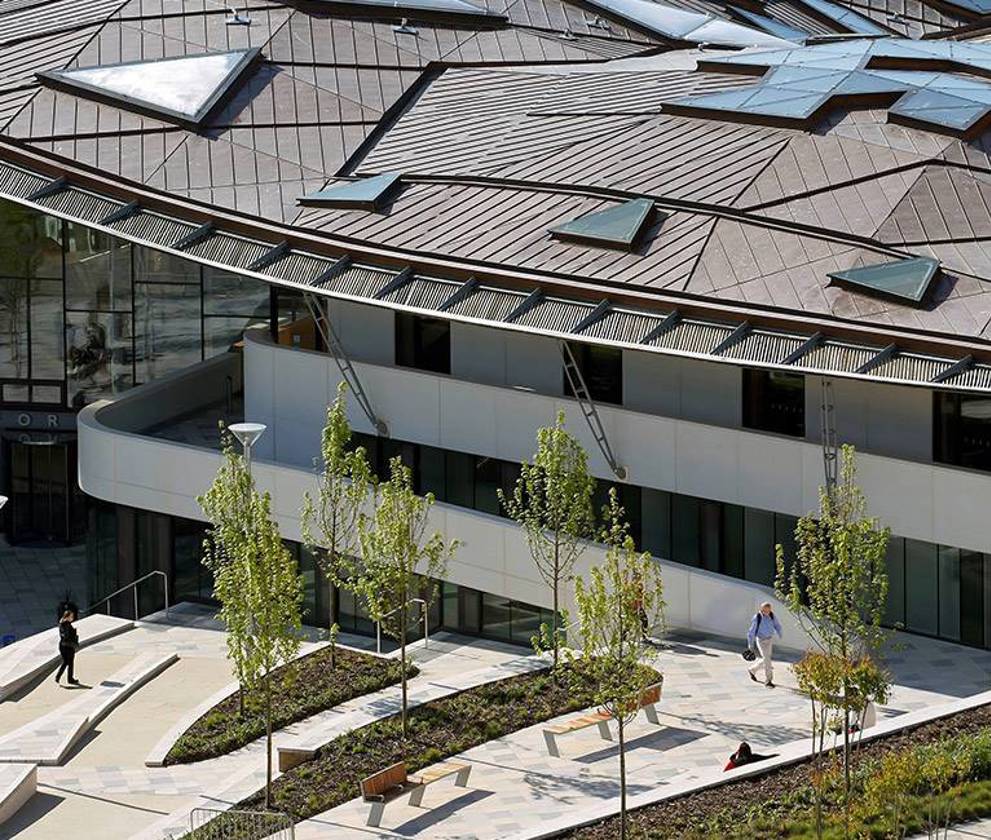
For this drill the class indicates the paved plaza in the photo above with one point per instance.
(708, 706)
(33, 580)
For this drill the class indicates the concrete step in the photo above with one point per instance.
(47, 739)
(18, 783)
(29, 658)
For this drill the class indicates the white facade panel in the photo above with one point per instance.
(923, 501)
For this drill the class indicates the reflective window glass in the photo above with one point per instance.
(47, 330)
(30, 243)
(602, 370)
(14, 328)
(685, 528)
(98, 355)
(423, 343)
(167, 331)
(774, 402)
(962, 430)
(759, 546)
(894, 613)
(97, 271)
(496, 616)
(921, 586)
(949, 593)
(228, 294)
(656, 522)
(974, 588)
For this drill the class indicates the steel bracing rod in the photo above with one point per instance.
(589, 412)
(827, 419)
(315, 307)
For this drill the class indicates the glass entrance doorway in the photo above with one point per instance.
(41, 478)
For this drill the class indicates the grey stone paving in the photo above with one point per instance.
(33, 580)
(708, 707)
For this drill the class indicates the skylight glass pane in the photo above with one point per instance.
(771, 26)
(365, 193)
(616, 226)
(185, 88)
(453, 7)
(686, 26)
(956, 102)
(182, 85)
(905, 279)
(846, 18)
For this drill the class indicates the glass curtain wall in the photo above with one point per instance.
(85, 316)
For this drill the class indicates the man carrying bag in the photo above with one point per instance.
(762, 629)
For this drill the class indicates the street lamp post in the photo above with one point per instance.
(248, 434)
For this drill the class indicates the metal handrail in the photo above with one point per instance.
(426, 628)
(134, 586)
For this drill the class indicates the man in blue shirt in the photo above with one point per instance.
(762, 630)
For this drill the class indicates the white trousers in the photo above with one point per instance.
(766, 648)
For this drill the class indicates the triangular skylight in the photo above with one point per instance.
(183, 90)
(615, 227)
(363, 194)
(907, 280)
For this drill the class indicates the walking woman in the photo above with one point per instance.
(68, 644)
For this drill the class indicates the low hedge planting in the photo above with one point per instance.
(438, 730)
(902, 784)
(302, 688)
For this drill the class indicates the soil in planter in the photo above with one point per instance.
(438, 730)
(778, 793)
(302, 688)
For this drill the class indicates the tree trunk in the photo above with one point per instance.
(268, 741)
(557, 585)
(622, 777)
(402, 665)
(240, 700)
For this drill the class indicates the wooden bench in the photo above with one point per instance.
(648, 697)
(388, 785)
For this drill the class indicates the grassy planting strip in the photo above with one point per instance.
(894, 779)
(438, 730)
(303, 687)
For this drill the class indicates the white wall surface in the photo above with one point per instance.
(288, 389)
(893, 420)
(166, 477)
(882, 419)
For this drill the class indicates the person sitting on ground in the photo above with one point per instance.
(744, 755)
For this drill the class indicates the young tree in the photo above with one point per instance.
(396, 557)
(330, 523)
(618, 598)
(552, 502)
(836, 588)
(256, 581)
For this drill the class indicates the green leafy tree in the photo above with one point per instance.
(396, 556)
(256, 581)
(620, 597)
(837, 587)
(330, 522)
(552, 502)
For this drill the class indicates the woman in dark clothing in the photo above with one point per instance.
(68, 642)
(744, 755)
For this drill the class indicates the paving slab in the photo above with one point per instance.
(18, 783)
(46, 740)
(27, 659)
